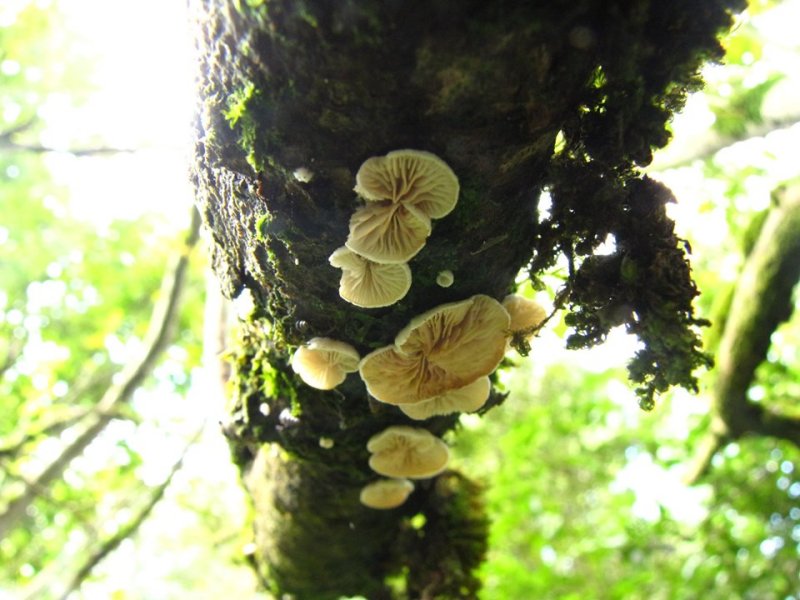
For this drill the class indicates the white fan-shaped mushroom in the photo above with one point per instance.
(324, 363)
(386, 493)
(369, 284)
(441, 350)
(466, 399)
(401, 451)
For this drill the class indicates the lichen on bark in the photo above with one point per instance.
(316, 87)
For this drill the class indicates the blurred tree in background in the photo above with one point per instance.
(101, 324)
(589, 496)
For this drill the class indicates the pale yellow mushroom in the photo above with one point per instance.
(445, 279)
(388, 233)
(410, 177)
(525, 314)
(324, 363)
(441, 350)
(405, 190)
(386, 493)
(369, 284)
(463, 400)
(401, 451)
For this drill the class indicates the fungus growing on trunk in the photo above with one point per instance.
(386, 493)
(525, 314)
(441, 350)
(466, 399)
(369, 284)
(405, 190)
(324, 363)
(401, 451)
(445, 279)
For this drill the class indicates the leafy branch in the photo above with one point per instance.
(156, 340)
(131, 527)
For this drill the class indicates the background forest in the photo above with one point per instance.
(114, 475)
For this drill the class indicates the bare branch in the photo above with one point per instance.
(89, 382)
(132, 376)
(72, 417)
(781, 426)
(130, 528)
(11, 146)
(13, 352)
(713, 442)
(762, 301)
(18, 128)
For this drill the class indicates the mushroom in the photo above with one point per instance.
(466, 399)
(445, 279)
(401, 451)
(369, 284)
(388, 233)
(443, 349)
(386, 493)
(525, 314)
(405, 190)
(324, 363)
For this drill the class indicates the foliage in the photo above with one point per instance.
(76, 297)
(584, 491)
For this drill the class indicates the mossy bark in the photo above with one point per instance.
(316, 87)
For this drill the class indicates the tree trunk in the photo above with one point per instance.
(518, 98)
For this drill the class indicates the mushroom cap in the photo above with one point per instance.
(466, 399)
(401, 451)
(324, 363)
(524, 313)
(440, 350)
(369, 284)
(445, 278)
(386, 493)
(412, 178)
(388, 233)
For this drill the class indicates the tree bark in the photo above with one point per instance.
(316, 87)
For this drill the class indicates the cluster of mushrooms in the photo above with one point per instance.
(440, 363)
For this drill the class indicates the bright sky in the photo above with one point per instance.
(144, 100)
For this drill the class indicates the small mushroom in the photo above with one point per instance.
(466, 399)
(525, 314)
(324, 363)
(441, 350)
(401, 451)
(405, 190)
(369, 284)
(445, 279)
(386, 493)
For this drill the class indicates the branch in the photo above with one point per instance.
(130, 528)
(56, 426)
(706, 145)
(781, 426)
(712, 442)
(7, 134)
(762, 301)
(15, 347)
(156, 340)
(89, 381)
(11, 146)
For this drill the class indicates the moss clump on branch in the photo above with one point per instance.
(648, 61)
